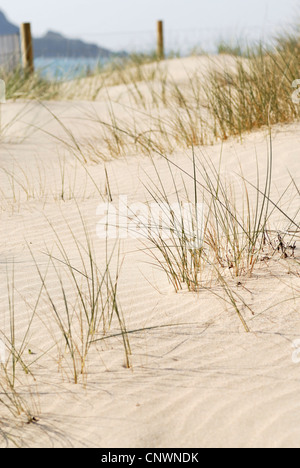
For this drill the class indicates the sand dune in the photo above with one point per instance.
(197, 381)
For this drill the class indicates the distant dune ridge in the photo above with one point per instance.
(54, 44)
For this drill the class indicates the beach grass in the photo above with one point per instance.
(223, 245)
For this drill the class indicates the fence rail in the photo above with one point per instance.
(184, 40)
(13, 50)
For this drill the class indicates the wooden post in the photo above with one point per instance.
(160, 40)
(27, 48)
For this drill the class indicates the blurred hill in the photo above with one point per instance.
(6, 27)
(55, 45)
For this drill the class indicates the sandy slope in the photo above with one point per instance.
(202, 381)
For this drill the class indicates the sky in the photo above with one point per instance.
(119, 23)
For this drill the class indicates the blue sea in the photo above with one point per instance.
(66, 68)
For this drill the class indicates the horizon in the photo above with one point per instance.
(235, 20)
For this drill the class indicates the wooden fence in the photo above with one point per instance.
(10, 51)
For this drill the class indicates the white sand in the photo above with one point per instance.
(202, 382)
